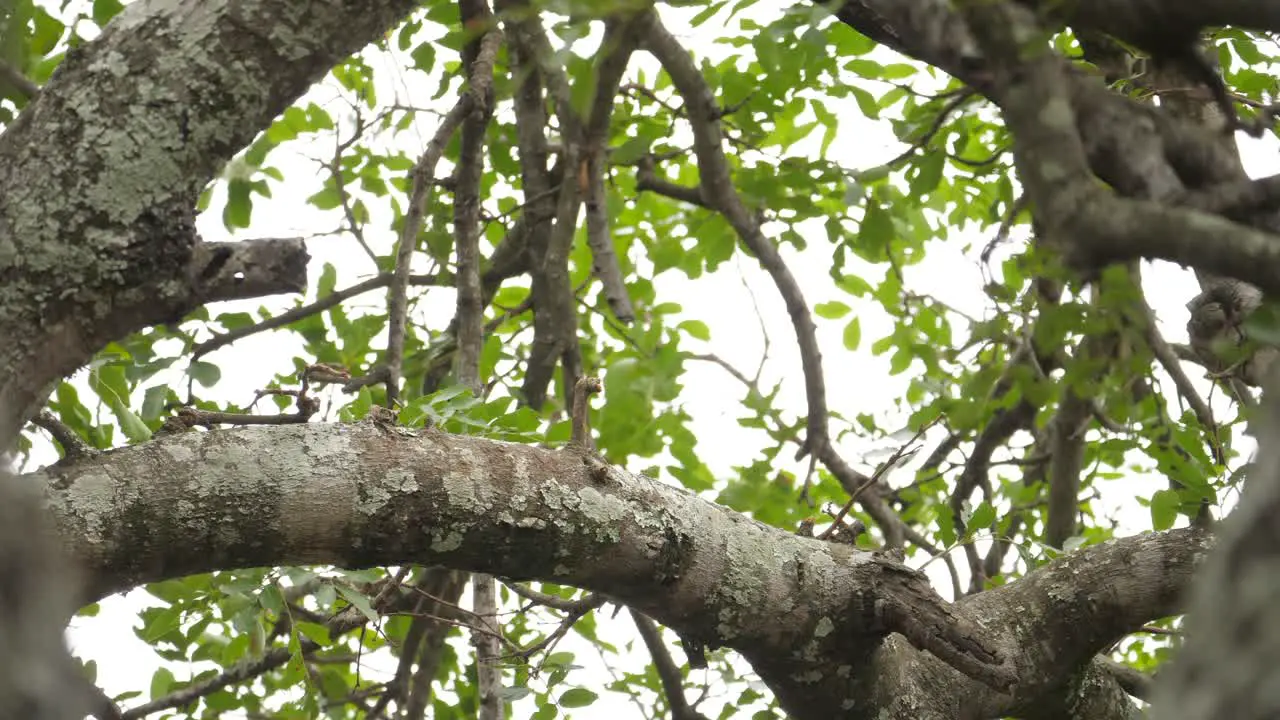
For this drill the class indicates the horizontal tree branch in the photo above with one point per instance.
(363, 495)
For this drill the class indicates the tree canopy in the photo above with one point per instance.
(727, 359)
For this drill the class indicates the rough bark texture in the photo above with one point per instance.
(101, 173)
(813, 617)
(99, 178)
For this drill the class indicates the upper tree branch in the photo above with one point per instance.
(477, 62)
(478, 59)
(717, 190)
(551, 208)
(620, 40)
(208, 87)
(398, 295)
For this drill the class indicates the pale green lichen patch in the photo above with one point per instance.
(386, 489)
(603, 512)
(465, 485)
(447, 543)
(824, 627)
(95, 496)
(1057, 113)
(744, 587)
(520, 474)
(179, 452)
(557, 496)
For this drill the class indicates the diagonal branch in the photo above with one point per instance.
(668, 672)
(398, 301)
(620, 41)
(717, 190)
(20, 82)
(376, 282)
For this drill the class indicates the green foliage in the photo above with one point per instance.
(797, 90)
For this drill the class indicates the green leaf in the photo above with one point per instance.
(982, 517)
(696, 328)
(576, 698)
(161, 682)
(875, 234)
(510, 693)
(316, 633)
(930, 173)
(1164, 509)
(359, 600)
(104, 10)
(327, 199)
(132, 425)
(153, 402)
(852, 334)
(239, 209)
(205, 373)
(833, 310)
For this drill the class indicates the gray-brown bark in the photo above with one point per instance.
(799, 609)
(100, 174)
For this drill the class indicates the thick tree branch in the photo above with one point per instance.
(1231, 657)
(203, 82)
(375, 498)
(38, 679)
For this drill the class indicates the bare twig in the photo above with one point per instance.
(582, 391)
(668, 671)
(303, 311)
(73, 446)
(569, 620)
(20, 82)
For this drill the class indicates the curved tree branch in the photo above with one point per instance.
(362, 495)
(204, 80)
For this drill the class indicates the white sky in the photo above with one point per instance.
(856, 382)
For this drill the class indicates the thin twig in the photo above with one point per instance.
(398, 302)
(668, 672)
(20, 82)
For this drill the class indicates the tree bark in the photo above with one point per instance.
(821, 622)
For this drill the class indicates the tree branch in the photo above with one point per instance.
(432, 499)
(210, 89)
